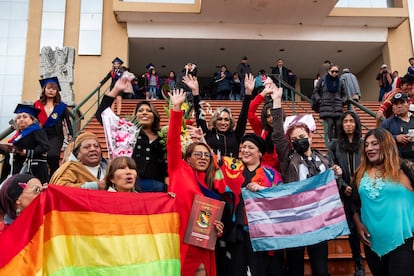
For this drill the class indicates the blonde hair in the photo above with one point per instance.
(216, 115)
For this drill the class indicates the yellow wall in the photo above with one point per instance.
(88, 70)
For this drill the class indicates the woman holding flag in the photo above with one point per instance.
(298, 164)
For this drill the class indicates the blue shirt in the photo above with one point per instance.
(387, 212)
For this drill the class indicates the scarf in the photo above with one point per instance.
(24, 133)
(332, 83)
(49, 121)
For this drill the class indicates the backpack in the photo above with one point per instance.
(315, 104)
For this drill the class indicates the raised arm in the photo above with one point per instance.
(177, 97)
(253, 119)
(278, 135)
(192, 83)
(107, 100)
(242, 120)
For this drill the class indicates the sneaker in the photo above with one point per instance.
(359, 269)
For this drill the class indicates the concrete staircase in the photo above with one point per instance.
(340, 257)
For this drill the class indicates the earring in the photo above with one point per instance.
(18, 211)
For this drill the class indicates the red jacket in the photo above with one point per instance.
(270, 159)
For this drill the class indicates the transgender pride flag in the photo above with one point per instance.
(295, 214)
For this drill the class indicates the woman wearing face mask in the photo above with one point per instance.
(16, 193)
(223, 138)
(298, 164)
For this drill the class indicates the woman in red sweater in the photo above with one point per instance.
(263, 128)
(189, 177)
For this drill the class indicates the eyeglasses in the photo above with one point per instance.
(199, 154)
(334, 71)
(35, 189)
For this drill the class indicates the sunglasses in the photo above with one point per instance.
(334, 71)
(199, 154)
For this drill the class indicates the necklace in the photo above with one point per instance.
(377, 178)
(375, 188)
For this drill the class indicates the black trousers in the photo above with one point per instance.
(242, 255)
(399, 262)
(333, 127)
(318, 257)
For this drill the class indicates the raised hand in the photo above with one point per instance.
(192, 83)
(249, 84)
(177, 97)
(120, 85)
(277, 92)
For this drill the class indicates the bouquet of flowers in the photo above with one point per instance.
(185, 137)
(120, 134)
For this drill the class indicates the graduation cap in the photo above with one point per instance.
(117, 59)
(27, 108)
(54, 80)
(149, 66)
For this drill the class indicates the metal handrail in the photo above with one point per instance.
(350, 103)
(6, 132)
(76, 114)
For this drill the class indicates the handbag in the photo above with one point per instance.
(27, 167)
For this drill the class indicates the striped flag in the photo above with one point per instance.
(295, 214)
(72, 231)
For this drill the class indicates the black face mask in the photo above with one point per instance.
(301, 145)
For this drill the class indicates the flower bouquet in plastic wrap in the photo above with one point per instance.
(120, 134)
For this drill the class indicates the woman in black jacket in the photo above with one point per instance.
(223, 138)
(330, 92)
(149, 154)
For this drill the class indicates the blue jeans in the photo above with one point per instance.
(382, 91)
(151, 185)
(152, 92)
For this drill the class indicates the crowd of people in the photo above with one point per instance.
(374, 174)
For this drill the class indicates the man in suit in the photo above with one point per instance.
(283, 72)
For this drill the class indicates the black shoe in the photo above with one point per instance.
(359, 269)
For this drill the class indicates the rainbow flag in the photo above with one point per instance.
(295, 214)
(72, 231)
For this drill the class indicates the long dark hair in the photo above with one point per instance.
(209, 178)
(388, 156)
(343, 141)
(57, 99)
(156, 124)
(263, 116)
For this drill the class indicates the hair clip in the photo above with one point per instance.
(23, 185)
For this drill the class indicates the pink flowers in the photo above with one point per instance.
(120, 134)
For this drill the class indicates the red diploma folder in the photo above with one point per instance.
(200, 230)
